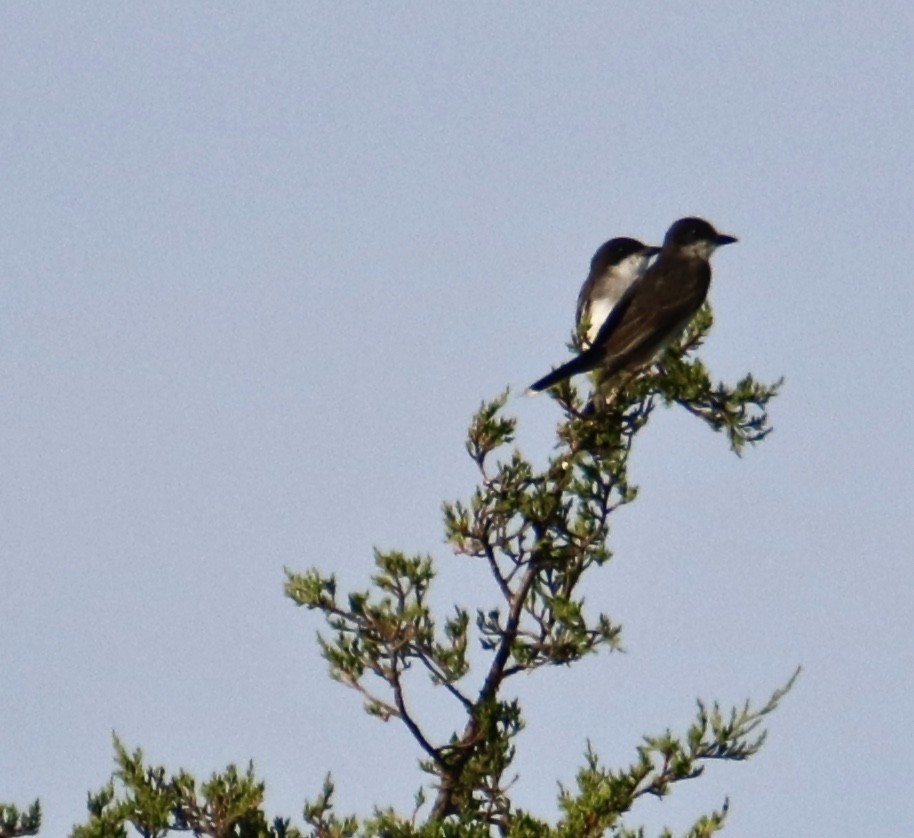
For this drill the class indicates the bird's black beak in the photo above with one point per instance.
(721, 240)
(650, 250)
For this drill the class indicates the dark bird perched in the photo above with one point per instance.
(654, 309)
(614, 267)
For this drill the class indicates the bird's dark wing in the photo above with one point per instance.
(583, 298)
(652, 312)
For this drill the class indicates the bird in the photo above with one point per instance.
(616, 265)
(655, 308)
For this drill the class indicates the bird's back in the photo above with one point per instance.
(653, 311)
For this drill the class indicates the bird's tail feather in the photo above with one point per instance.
(582, 363)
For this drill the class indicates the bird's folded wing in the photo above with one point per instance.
(652, 317)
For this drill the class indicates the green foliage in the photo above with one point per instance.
(535, 532)
(604, 795)
(14, 822)
(738, 411)
(156, 803)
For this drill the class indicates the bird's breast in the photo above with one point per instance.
(599, 311)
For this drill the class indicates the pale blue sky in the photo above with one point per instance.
(259, 263)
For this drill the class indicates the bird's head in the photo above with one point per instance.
(695, 237)
(626, 256)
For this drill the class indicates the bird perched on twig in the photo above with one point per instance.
(613, 268)
(654, 309)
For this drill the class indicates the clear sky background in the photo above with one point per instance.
(259, 264)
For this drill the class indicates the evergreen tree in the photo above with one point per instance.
(538, 532)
